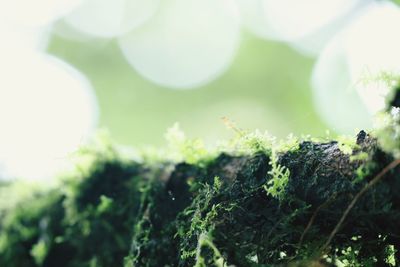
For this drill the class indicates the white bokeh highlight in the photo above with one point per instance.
(16, 38)
(111, 18)
(305, 25)
(47, 110)
(372, 47)
(253, 18)
(187, 43)
(336, 100)
(35, 13)
(352, 76)
(291, 19)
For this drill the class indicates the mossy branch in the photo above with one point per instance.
(249, 202)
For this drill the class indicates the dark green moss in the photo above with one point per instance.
(89, 221)
(154, 242)
(26, 225)
(120, 213)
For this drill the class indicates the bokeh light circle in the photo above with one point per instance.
(253, 18)
(15, 38)
(110, 18)
(372, 46)
(335, 98)
(35, 13)
(350, 78)
(306, 25)
(47, 110)
(188, 43)
(293, 19)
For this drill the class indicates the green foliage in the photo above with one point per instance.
(116, 212)
(387, 128)
(78, 223)
(279, 178)
(388, 131)
(360, 156)
(391, 255)
(248, 143)
(180, 148)
(350, 257)
(292, 143)
(39, 252)
(365, 170)
(24, 239)
(347, 145)
(201, 215)
(105, 205)
(209, 258)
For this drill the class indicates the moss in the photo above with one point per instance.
(154, 242)
(347, 144)
(88, 219)
(279, 178)
(207, 253)
(24, 239)
(388, 131)
(387, 128)
(180, 148)
(212, 208)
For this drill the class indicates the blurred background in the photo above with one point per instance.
(134, 67)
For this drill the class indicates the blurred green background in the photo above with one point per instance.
(154, 63)
(267, 87)
(144, 59)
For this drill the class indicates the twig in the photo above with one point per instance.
(311, 221)
(371, 183)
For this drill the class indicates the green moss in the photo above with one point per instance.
(388, 131)
(347, 145)
(391, 255)
(207, 253)
(87, 220)
(248, 143)
(387, 128)
(39, 251)
(180, 148)
(211, 209)
(24, 236)
(360, 156)
(276, 185)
